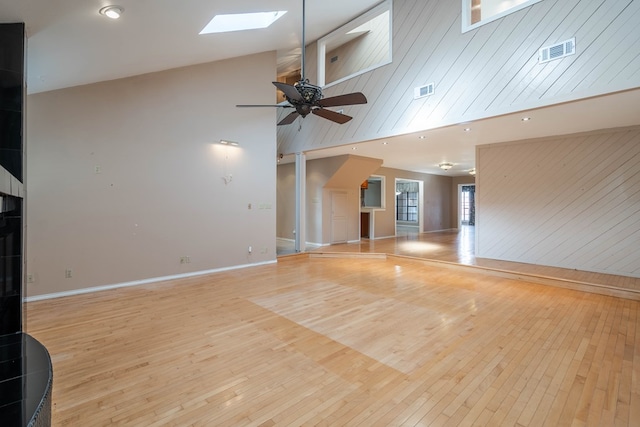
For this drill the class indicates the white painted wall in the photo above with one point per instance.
(159, 194)
(571, 202)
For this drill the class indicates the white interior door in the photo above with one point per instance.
(339, 214)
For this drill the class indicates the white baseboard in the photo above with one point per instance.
(383, 237)
(306, 243)
(140, 282)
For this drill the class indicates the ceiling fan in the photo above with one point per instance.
(307, 98)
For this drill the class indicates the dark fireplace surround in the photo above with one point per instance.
(26, 373)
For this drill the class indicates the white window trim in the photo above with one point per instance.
(386, 5)
(466, 14)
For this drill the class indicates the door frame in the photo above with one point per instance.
(460, 202)
(420, 204)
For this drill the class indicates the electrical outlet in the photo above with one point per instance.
(29, 278)
(68, 274)
(185, 260)
(250, 249)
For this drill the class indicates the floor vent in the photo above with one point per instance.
(422, 91)
(557, 51)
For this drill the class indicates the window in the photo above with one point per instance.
(479, 12)
(357, 47)
(407, 206)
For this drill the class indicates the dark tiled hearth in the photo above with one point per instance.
(26, 377)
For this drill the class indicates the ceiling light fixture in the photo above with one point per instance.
(421, 137)
(467, 129)
(112, 12)
(472, 171)
(526, 119)
(445, 166)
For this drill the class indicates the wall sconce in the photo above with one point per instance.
(227, 142)
(445, 166)
(112, 12)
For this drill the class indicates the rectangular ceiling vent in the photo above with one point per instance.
(422, 91)
(557, 51)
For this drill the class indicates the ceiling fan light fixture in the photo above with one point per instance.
(112, 12)
(445, 166)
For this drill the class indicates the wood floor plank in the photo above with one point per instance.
(330, 341)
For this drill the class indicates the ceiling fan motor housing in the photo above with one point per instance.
(310, 94)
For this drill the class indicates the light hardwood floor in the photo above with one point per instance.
(342, 342)
(459, 247)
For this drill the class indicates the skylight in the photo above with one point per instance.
(241, 21)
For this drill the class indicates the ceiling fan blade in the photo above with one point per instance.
(332, 115)
(289, 119)
(346, 99)
(289, 90)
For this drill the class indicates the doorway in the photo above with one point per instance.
(467, 214)
(409, 206)
(339, 217)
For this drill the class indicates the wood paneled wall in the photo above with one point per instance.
(571, 202)
(485, 72)
(361, 53)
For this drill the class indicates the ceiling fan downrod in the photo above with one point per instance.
(303, 41)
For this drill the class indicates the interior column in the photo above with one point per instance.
(301, 184)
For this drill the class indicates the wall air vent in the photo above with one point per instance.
(557, 51)
(422, 91)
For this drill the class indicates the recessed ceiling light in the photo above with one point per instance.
(241, 21)
(526, 119)
(112, 12)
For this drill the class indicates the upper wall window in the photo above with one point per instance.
(479, 12)
(357, 47)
